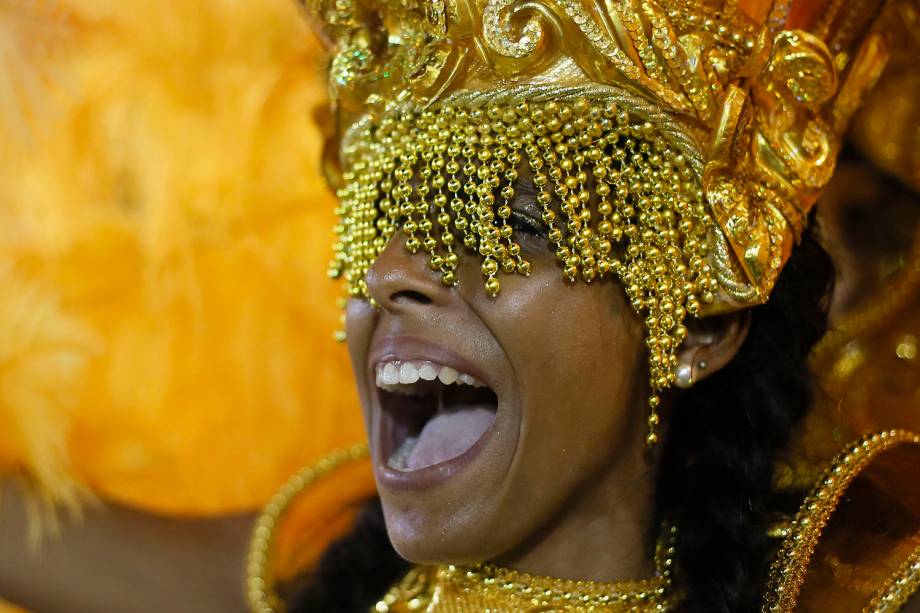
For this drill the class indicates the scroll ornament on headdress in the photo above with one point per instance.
(755, 95)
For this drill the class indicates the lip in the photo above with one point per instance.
(406, 348)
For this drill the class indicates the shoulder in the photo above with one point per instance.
(854, 544)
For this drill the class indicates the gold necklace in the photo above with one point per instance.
(486, 587)
(453, 589)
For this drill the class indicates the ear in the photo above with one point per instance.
(711, 343)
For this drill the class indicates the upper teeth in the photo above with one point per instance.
(408, 372)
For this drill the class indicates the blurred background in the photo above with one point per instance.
(166, 325)
(166, 352)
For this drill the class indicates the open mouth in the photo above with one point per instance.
(432, 413)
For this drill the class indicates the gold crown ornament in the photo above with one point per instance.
(677, 145)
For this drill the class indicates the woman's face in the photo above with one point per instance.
(468, 473)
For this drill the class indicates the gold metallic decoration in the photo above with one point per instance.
(486, 587)
(900, 587)
(260, 583)
(451, 589)
(446, 175)
(888, 581)
(755, 102)
(863, 363)
(789, 568)
(439, 104)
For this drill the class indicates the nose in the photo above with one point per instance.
(399, 280)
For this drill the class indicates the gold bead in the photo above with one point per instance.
(407, 175)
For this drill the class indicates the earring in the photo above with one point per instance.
(684, 376)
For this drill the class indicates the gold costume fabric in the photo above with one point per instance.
(867, 364)
(870, 361)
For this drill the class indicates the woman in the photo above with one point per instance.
(529, 449)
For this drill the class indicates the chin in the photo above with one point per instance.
(424, 537)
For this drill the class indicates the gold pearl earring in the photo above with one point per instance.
(684, 376)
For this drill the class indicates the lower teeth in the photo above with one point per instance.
(399, 460)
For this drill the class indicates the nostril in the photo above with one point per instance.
(410, 295)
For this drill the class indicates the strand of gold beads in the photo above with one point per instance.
(899, 588)
(790, 565)
(617, 200)
(260, 584)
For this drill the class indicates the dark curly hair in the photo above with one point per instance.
(726, 434)
(716, 476)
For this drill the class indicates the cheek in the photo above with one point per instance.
(591, 350)
(360, 321)
(579, 367)
(573, 343)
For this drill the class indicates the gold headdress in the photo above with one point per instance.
(676, 144)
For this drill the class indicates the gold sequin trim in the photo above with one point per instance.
(787, 573)
(899, 588)
(260, 584)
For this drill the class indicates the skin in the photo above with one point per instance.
(114, 558)
(564, 486)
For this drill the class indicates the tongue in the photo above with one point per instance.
(449, 434)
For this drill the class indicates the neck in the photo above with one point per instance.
(605, 532)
